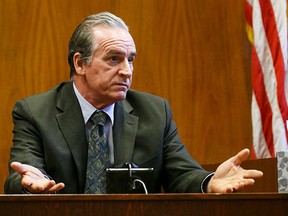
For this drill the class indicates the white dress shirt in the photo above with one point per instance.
(87, 110)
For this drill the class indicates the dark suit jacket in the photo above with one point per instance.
(49, 133)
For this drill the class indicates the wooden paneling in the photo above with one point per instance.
(145, 205)
(194, 53)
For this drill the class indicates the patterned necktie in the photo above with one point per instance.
(98, 156)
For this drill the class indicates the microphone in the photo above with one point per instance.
(134, 179)
(130, 178)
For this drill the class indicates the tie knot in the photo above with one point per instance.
(99, 117)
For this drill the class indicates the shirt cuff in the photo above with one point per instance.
(205, 182)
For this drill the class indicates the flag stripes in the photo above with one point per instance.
(267, 21)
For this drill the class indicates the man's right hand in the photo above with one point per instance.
(34, 180)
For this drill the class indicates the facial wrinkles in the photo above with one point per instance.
(121, 45)
(115, 37)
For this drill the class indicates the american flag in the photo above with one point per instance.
(267, 31)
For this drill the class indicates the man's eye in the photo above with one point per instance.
(114, 59)
(131, 59)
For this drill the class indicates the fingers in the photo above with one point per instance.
(240, 157)
(17, 167)
(46, 186)
(37, 185)
(56, 187)
(52, 187)
(253, 174)
(24, 168)
(34, 180)
(236, 186)
(246, 178)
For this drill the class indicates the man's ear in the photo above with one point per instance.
(79, 64)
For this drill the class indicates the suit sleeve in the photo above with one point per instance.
(181, 173)
(27, 147)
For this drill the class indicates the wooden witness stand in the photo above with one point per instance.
(150, 205)
(264, 202)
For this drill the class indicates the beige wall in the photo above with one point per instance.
(194, 53)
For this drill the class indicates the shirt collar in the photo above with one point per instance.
(88, 109)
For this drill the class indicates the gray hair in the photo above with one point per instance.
(82, 38)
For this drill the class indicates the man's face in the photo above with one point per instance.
(109, 75)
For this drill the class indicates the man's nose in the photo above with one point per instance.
(126, 69)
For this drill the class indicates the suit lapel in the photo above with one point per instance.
(124, 133)
(71, 123)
